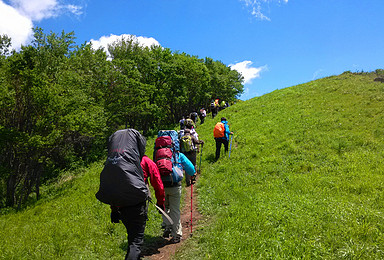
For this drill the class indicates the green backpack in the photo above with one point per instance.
(186, 144)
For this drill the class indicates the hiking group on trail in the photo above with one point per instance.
(127, 172)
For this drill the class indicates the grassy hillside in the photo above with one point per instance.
(305, 180)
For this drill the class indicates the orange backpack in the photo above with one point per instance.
(219, 130)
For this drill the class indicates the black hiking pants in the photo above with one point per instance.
(220, 141)
(134, 219)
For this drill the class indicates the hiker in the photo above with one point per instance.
(150, 170)
(172, 200)
(217, 103)
(222, 105)
(189, 147)
(203, 114)
(188, 123)
(214, 108)
(123, 187)
(182, 123)
(221, 134)
(194, 117)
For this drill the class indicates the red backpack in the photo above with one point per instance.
(163, 155)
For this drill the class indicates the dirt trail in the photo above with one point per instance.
(165, 250)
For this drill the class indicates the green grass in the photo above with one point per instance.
(69, 223)
(305, 177)
(305, 181)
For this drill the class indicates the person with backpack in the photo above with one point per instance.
(203, 114)
(189, 147)
(172, 201)
(222, 105)
(171, 164)
(192, 130)
(215, 109)
(151, 171)
(221, 134)
(194, 117)
(182, 123)
(212, 108)
(123, 186)
(189, 123)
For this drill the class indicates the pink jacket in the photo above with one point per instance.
(150, 170)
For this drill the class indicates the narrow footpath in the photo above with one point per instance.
(165, 250)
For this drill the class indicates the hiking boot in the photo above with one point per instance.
(176, 240)
(166, 233)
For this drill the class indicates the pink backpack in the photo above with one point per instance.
(163, 155)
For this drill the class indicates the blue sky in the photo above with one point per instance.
(274, 43)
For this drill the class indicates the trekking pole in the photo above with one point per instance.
(162, 212)
(191, 206)
(157, 207)
(230, 147)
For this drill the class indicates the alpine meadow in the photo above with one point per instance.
(304, 181)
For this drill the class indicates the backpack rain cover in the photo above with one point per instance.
(122, 179)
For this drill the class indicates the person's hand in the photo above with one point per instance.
(193, 179)
(162, 207)
(115, 216)
(231, 133)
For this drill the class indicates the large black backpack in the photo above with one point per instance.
(122, 179)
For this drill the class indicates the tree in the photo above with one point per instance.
(5, 45)
(50, 110)
(59, 102)
(225, 84)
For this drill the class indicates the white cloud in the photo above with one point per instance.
(36, 10)
(104, 41)
(249, 73)
(256, 12)
(17, 17)
(256, 7)
(15, 25)
(74, 9)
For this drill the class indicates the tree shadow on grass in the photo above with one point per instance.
(151, 245)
